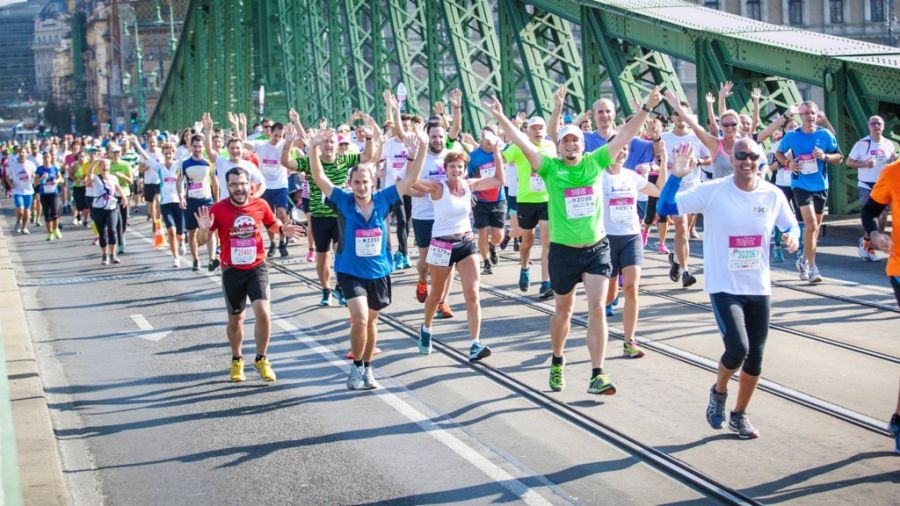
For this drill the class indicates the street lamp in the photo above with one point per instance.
(172, 41)
(139, 76)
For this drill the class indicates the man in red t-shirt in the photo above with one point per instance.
(238, 221)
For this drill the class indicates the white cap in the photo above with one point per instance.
(537, 120)
(569, 130)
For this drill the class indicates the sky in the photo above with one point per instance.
(4, 3)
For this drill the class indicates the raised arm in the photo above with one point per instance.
(371, 131)
(630, 129)
(559, 99)
(415, 167)
(207, 138)
(778, 123)
(456, 105)
(711, 143)
(724, 93)
(315, 165)
(393, 111)
(754, 96)
(492, 105)
(711, 115)
(290, 135)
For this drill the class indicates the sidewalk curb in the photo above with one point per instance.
(39, 465)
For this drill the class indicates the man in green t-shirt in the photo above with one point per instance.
(531, 203)
(578, 249)
(323, 219)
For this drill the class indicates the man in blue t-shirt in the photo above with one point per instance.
(811, 148)
(489, 214)
(364, 262)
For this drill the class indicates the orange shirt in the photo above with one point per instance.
(887, 191)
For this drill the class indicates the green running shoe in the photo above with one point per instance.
(557, 380)
(601, 385)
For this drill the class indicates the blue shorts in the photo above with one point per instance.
(22, 201)
(277, 198)
(173, 216)
(190, 221)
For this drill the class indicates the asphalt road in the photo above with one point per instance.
(148, 416)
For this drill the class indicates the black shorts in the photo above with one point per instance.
(48, 204)
(376, 291)
(304, 204)
(625, 251)
(461, 250)
(239, 284)
(568, 265)
(194, 205)
(530, 213)
(173, 216)
(325, 231)
(422, 232)
(150, 191)
(78, 193)
(511, 204)
(817, 199)
(650, 214)
(489, 214)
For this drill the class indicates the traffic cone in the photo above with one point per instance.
(159, 241)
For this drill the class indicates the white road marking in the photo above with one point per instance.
(146, 328)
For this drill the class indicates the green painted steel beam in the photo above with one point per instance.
(201, 60)
(549, 56)
(476, 52)
(408, 37)
(218, 61)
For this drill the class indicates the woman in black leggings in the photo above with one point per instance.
(105, 208)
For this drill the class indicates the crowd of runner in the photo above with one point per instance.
(588, 189)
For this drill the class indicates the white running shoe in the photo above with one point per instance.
(802, 268)
(814, 276)
(176, 262)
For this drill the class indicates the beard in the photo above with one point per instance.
(238, 198)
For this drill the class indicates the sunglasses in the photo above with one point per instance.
(876, 123)
(728, 125)
(743, 155)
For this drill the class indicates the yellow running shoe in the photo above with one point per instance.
(264, 368)
(237, 370)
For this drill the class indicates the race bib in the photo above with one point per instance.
(270, 167)
(195, 190)
(580, 202)
(439, 253)
(437, 173)
(745, 252)
(24, 176)
(621, 210)
(368, 242)
(169, 180)
(398, 163)
(808, 164)
(536, 184)
(243, 251)
(487, 170)
(50, 187)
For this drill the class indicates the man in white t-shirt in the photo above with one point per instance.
(20, 176)
(268, 151)
(740, 213)
(868, 156)
(682, 134)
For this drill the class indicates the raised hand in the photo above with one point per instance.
(792, 111)
(654, 98)
(755, 94)
(684, 161)
(559, 98)
(725, 89)
(710, 98)
(456, 98)
(293, 116)
(672, 99)
(204, 219)
(493, 106)
(439, 108)
(207, 122)
(321, 137)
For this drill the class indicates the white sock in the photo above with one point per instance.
(426, 329)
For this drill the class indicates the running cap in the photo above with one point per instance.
(343, 128)
(569, 130)
(537, 120)
(343, 139)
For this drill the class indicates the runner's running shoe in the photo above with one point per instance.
(673, 267)
(444, 311)
(740, 424)
(802, 268)
(715, 410)
(610, 311)
(545, 291)
(601, 384)
(865, 250)
(478, 351)
(421, 291)
(339, 296)
(814, 276)
(486, 268)
(326, 297)
(632, 350)
(264, 368)
(369, 381)
(425, 347)
(237, 370)
(355, 379)
(492, 250)
(311, 256)
(524, 279)
(895, 431)
(557, 377)
(687, 279)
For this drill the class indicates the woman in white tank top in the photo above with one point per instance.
(452, 243)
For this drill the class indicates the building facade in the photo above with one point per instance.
(17, 77)
(52, 34)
